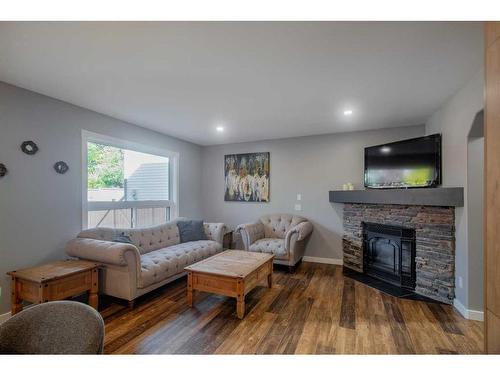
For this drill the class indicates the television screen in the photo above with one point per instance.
(410, 163)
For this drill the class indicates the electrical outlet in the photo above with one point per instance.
(460, 282)
(298, 207)
(299, 197)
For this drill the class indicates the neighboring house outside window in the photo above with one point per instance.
(127, 185)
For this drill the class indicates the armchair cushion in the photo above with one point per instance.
(274, 246)
(250, 233)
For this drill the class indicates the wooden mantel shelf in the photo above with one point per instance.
(446, 196)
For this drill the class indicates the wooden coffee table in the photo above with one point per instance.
(53, 282)
(232, 273)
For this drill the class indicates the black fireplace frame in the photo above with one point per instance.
(408, 237)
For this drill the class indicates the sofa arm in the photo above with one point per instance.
(104, 252)
(215, 231)
(250, 233)
(301, 231)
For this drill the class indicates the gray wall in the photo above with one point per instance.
(39, 209)
(310, 166)
(454, 120)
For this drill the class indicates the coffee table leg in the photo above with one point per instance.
(93, 300)
(190, 290)
(16, 305)
(270, 276)
(240, 299)
(94, 289)
(240, 306)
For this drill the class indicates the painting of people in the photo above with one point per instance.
(246, 177)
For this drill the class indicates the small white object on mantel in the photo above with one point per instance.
(348, 186)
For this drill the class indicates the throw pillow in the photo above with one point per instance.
(123, 238)
(191, 230)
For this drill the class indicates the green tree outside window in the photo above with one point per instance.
(104, 166)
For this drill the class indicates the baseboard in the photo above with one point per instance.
(4, 317)
(323, 260)
(468, 314)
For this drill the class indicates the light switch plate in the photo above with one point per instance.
(298, 207)
(299, 197)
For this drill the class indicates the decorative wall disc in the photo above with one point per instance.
(29, 147)
(61, 167)
(3, 170)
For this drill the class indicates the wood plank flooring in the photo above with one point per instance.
(316, 310)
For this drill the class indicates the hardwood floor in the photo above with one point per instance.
(315, 310)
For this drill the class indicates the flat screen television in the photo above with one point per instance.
(411, 163)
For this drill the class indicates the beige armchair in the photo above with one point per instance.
(283, 235)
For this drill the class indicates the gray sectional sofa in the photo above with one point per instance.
(154, 258)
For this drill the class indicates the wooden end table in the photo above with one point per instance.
(227, 240)
(232, 273)
(54, 282)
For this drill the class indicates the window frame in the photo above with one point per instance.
(173, 177)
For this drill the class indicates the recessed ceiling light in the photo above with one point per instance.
(219, 129)
(348, 112)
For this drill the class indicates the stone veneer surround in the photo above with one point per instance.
(435, 242)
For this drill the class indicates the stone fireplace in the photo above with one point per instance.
(433, 228)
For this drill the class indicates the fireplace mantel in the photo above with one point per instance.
(444, 197)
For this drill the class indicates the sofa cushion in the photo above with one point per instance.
(191, 230)
(160, 264)
(154, 238)
(274, 246)
(276, 226)
(145, 239)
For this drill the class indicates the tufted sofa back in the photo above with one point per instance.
(145, 239)
(276, 225)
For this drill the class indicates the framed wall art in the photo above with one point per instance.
(247, 177)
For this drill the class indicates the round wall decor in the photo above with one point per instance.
(61, 167)
(3, 170)
(29, 147)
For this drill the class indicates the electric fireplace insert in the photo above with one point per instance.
(389, 254)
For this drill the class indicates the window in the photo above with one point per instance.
(127, 185)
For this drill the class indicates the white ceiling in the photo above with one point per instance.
(260, 80)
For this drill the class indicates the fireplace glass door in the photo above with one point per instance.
(389, 253)
(383, 255)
